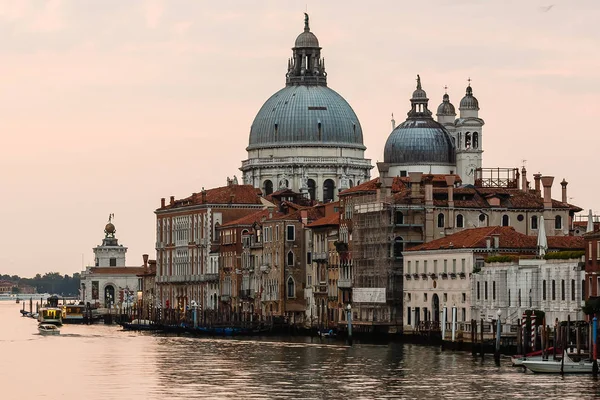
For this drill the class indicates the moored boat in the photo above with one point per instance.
(48, 329)
(51, 313)
(73, 313)
(517, 360)
(566, 366)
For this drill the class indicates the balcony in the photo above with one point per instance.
(287, 161)
(319, 256)
(404, 224)
(265, 269)
(246, 294)
(225, 298)
(209, 277)
(344, 283)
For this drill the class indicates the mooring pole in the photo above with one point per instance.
(498, 332)
(595, 344)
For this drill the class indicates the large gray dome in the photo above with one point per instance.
(300, 115)
(419, 141)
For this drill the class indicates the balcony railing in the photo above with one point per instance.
(209, 277)
(319, 256)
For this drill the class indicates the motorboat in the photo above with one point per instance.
(48, 329)
(566, 366)
(73, 314)
(51, 313)
(140, 325)
(517, 360)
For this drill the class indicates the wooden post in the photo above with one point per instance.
(544, 343)
(473, 337)
(482, 342)
(578, 338)
(564, 345)
(569, 331)
(555, 342)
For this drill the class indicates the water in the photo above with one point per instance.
(103, 362)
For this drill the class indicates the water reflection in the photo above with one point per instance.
(103, 362)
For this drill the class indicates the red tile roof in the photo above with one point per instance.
(330, 220)
(232, 194)
(509, 239)
(398, 184)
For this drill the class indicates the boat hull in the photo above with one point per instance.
(554, 367)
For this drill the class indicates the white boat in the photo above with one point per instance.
(517, 361)
(48, 329)
(554, 366)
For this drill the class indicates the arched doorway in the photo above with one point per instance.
(312, 189)
(109, 295)
(268, 187)
(435, 308)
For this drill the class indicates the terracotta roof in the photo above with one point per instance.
(117, 270)
(509, 239)
(330, 220)
(250, 219)
(232, 194)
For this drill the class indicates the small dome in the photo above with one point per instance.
(419, 141)
(446, 108)
(419, 94)
(469, 102)
(109, 228)
(306, 39)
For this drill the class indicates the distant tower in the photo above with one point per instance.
(110, 253)
(468, 129)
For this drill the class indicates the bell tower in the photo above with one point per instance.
(468, 133)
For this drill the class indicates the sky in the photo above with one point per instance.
(108, 105)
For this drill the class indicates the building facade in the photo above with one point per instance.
(110, 283)
(188, 261)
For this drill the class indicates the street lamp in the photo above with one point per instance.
(498, 329)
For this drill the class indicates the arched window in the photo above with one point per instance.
(441, 222)
(268, 187)
(291, 288)
(398, 247)
(290, 258)
(399, 217)
(312, 189)
(328, 187)
(351, 185)
(460, 223)
(468, 140)
(558, 222)
(534, 222)
(475, 140)
(505, 220)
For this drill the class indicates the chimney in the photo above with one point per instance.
(385, 179)
(304, 216)
(536, 178)
(145, 258)
(564, 184)
(172, 200)
(428, 182)
(162, 203)
(203, 196)
(415, 183)
(450, 179)
(524, 179)
(547, 183)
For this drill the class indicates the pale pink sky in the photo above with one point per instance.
(107, 106)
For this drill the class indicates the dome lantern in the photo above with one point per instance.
(306, 67)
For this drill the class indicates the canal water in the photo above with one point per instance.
(103, 362)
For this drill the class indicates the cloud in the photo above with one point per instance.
(153, 12)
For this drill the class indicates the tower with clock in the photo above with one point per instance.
(468, 137)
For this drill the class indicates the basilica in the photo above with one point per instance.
(307, 138)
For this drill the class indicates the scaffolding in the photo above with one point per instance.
(377, 268)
